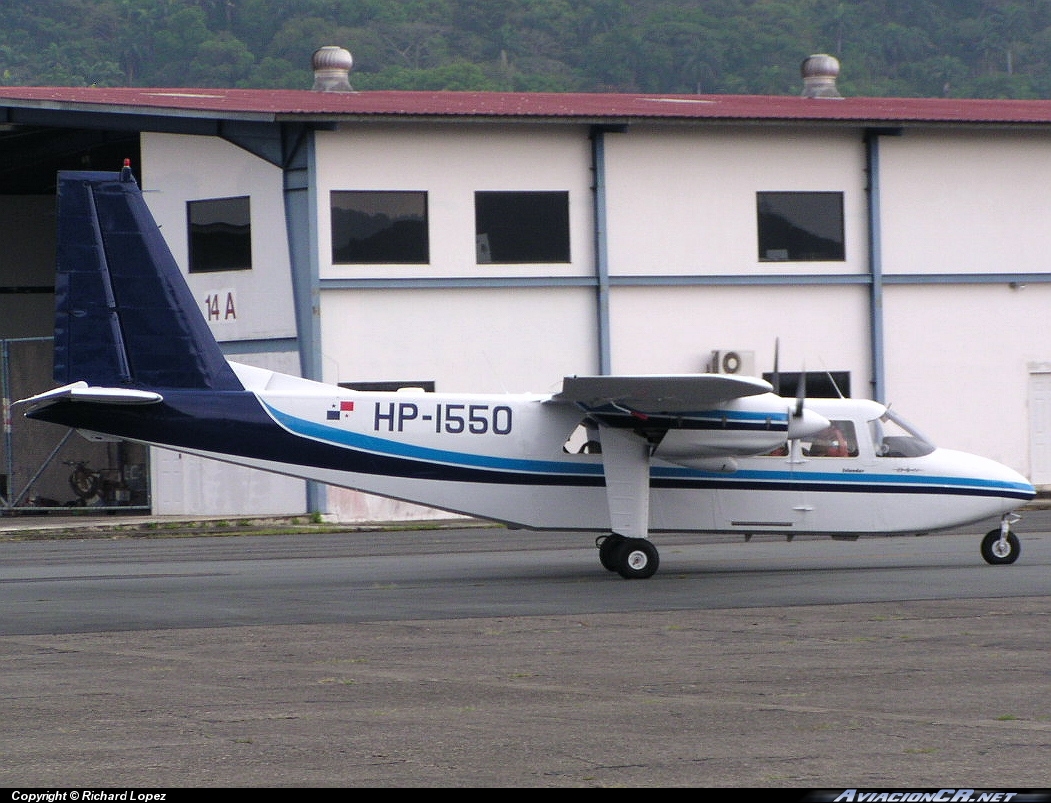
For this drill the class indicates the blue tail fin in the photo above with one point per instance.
(124, 316)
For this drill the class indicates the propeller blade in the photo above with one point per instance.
(800, 394)
(777, 370)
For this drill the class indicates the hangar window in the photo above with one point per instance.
(521, 227)
(800, 226)
(379, 227)
(220, 234)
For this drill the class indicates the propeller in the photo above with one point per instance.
(800, 394)
(777, 370)
(800, 384)
(803, 422)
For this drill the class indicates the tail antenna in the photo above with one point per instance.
(835, 386)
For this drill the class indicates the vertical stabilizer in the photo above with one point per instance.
(124, 315)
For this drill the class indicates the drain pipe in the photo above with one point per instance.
(601, 241)
(875, 255)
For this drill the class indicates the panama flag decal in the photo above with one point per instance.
(336, 412)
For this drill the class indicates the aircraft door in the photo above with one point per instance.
(819, 461)
(765, 494)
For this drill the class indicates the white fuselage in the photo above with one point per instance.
(505, 458)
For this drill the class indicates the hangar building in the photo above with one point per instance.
(500, 241)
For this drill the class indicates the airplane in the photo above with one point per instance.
(624, 456)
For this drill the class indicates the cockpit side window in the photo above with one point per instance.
(837, 440)
(892, 436)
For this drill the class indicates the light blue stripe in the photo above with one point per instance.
(381, 446)
(735, 415)
(780, 419)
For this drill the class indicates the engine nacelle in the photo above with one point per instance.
(750, 426)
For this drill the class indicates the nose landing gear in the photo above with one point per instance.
(1001, 546)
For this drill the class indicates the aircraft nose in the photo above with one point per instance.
(807, 424)
(1011, 487)
(1023, 485)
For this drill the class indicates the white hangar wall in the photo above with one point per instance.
(450, 163)
(675, 329)
(488, 340)
(957, 202)
(255, 305)
(482, 339)
(682, 201)
(177, 169)
(959, 364)
(959, 355)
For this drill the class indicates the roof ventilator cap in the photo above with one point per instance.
(819, 76)
(332, 69)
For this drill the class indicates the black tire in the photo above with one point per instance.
(1000, 553)
(637, 559)
(607, 550)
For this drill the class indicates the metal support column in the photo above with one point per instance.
(300, 192)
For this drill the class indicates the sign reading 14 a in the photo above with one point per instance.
(220, 305)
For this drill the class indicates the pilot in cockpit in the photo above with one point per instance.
(835, 440)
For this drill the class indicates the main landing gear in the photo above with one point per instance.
(1001, 546)
(631, 558)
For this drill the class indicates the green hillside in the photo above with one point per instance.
(931, 48)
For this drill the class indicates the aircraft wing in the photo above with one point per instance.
(654, 394)
(626, 454)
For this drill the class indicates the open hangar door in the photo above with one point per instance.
(41, 466)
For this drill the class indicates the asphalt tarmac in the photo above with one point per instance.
(926, 689)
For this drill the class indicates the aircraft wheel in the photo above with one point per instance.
(999, 552)
(637, 559)
(607, 550)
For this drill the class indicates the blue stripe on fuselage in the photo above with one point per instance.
(661, 477)
(349, 439)
(239, 424)
(844, 483)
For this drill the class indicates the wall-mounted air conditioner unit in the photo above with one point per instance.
(732, 361)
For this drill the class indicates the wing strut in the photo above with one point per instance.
(626, 463)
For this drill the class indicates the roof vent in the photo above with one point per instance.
(819, 76)
(332, 69)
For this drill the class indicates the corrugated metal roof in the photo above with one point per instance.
(304, 104)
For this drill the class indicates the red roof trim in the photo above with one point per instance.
(519, 105)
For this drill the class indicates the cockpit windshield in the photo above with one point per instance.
(892, 436)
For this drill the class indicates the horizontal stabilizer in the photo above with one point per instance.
(654, 394)
(82, 392)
